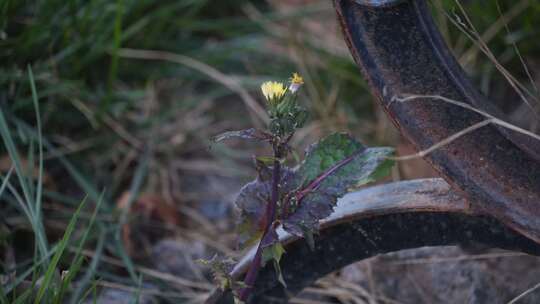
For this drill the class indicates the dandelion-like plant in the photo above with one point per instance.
(294, 199)
(273, 91)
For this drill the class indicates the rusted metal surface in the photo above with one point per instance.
(421, 195)
(400, 51)
(377, 220)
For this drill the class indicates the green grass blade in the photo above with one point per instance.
(134, 189)
(36, 265)
(5, 181)
(137, 296)
(29, 170)
(83, 282)
(78, 258)
(93, 290)
(32, 205)
(75, 267)
(14, 156)
(81, 180)
(39, 183)
(3, 297)
(56, 258)
(19, 200)
(22, 299)
(117, 36)
(28, 199)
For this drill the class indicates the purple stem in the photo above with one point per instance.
(270, 213)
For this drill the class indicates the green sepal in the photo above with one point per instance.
(274, 253)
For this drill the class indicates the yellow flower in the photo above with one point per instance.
(296, 82)
(273, 91)
(297, 79)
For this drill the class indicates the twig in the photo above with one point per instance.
(457, 259)
(111, 123)
(474, 37)
(516, 49)
(445, 141)
(141, 291)
(495, 28)
(490, 119)
(524, 294)
(182, 283)
(228, 81)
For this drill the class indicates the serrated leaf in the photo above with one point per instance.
(326, 153)
(274, 253)
(252, 201)
(221, 269)
(266, 160)
(253, 134)
(333, 167)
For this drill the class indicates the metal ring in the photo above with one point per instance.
(378, 220)
(400, 51)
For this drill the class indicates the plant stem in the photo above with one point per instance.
(270, 214)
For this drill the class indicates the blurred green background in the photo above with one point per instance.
(131, 91)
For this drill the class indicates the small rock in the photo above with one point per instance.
(449, 275)
(214, 209)
(116, 296)
(179, 258)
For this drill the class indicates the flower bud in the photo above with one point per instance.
(296, 82)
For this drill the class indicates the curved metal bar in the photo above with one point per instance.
(378, 220)
(400, 51)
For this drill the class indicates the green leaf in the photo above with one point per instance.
(274, 253)
(327, 152)
(253, 134)
(221, 271)
(333, 167)
(265, 160)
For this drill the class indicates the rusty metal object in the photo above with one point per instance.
(377, 220)
(400, 51)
